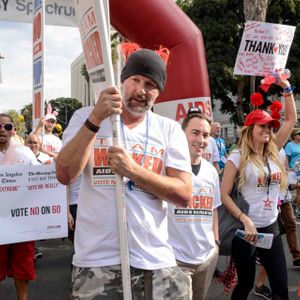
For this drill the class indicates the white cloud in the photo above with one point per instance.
(62, 47)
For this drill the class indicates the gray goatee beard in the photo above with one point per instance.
(142, 110)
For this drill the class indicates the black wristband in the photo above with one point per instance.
(90, 126)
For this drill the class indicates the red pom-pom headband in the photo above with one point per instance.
(256, 99)
(129, 48)
(275, 109)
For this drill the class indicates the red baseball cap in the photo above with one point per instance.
(261, 117)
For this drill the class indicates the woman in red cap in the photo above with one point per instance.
(261, 176)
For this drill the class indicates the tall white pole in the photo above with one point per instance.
(102, 18)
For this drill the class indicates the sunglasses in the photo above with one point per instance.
(7, 126)
(32, 143)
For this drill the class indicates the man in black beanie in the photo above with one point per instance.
(155, 164)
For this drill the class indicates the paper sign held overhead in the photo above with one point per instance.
(264, 48)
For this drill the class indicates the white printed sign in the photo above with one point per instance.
(177, 109)
(33, 204)
(58, 12)
(264, 48)
(95, 42)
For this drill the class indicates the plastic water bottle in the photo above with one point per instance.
(271, 78)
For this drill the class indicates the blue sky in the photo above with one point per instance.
(62, 47)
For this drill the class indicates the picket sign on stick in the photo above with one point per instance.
(120, 184)
(93, 18)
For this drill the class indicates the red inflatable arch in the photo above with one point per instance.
(162, 22)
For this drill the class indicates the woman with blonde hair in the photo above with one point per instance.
(260, 177)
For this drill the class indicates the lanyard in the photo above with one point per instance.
(219, 144)
(130, 182)
(268, 178)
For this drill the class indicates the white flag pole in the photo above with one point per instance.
(38, 61)
(120, 185)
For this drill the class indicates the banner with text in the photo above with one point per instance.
(58, 12)
(38, 42)
(33, 204)
(177, 109)
(264, 48)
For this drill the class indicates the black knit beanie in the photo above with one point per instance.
(147, 63)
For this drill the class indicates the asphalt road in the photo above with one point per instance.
(54, 273)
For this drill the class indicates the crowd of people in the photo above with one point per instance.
(175, 179)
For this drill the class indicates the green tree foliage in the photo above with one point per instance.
(221, 23)
(18, 122)
(64, 106)
(26, 112)
(288, 12)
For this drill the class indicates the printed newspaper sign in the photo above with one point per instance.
(264, 48)
(57, 12)
(33, 204)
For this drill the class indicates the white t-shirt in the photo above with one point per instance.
(191, 229)
(51, 143)
(262, 209)
(211, 153)
(285, 196)
(74, 191)
(96, 236)
(17, 154)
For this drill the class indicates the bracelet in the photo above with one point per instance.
(288, 90)
(90, 126)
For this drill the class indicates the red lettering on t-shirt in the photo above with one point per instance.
(100, 157)
(200, 202)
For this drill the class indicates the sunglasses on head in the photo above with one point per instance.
(194, 111)
(7, 126)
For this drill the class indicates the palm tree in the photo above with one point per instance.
(255, 10)
(84, 72)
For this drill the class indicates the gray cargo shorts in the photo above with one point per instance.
(97, 283)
